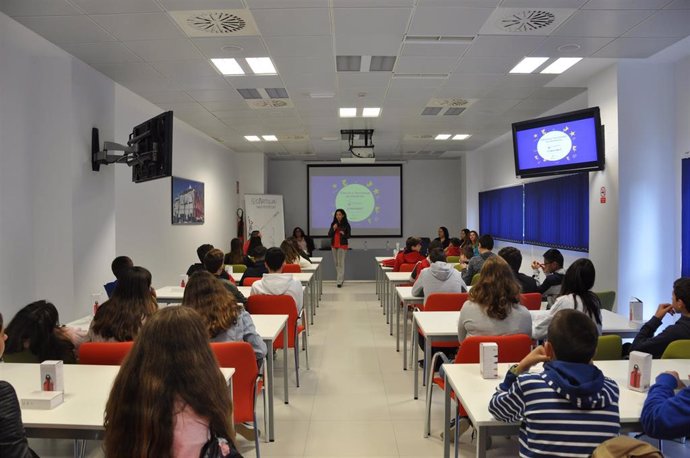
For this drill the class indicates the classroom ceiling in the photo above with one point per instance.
(433, 66)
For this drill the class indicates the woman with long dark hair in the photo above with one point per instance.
(474, 242)
(576, 293)
(170, 396)
(443, 236)
(235, 256)
(464, 237)
(304, 242)
(120, 317)
(339, 234)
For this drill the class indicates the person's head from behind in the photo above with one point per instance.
(120, 266)
(170, 367)
(512, 256)
(497, 290)
(443, 233)
(474, 237)
(275, 259)
(288, 248)
(298, 233)
(202, 250)
(254, 244)
(467, 253)
(433, 245)
(553, 260)
(207, 295)
(572, 337)
(33, 328)
(135, 284)
(413, 244)
(681, 295)
(235, 245)
(255, 234)
(437, 255)
(213, 261)
(259, 254)
(486, 243)
(455, 242)
(579, 278)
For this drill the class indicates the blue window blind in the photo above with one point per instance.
(557, 212)
(685, 219)
(500, 213)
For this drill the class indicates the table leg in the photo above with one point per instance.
(391, 300)
(397, 324)
(269, 387)
(428, 371)
(482, 439)
(415, 349)
(405, 306)
(285, 366)
(311, 305)
(446, 417)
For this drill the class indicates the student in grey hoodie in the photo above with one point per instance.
(441, 277)
(486, 244)
(275, 282)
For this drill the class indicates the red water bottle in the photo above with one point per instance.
(182, 282)
(635, 377)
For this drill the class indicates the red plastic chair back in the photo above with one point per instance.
(248, 281)
(241, 357)
(531, 301)
(265, 304)
(511, 349)
(445, 302)
(292, 269)
(406, 267)
(104, 353)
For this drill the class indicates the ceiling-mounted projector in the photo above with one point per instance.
(360, 153)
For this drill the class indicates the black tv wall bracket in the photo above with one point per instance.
(130, 157)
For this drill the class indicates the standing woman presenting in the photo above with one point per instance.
(339, 233)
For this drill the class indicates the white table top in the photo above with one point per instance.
(303, 277)
(382, 258)
(86, 392)
(177, 292)
(316, 259)
(398, 276)
(475, 391)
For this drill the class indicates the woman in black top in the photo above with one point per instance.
(443, 236)
(339, 233)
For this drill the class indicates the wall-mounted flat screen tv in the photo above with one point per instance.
(564, 143)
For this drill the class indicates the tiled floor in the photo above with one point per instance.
(356, 400)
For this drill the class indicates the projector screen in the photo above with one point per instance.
(371, 195)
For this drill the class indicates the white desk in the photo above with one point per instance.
(393, 279)
(404, 293)
(474, 393)
(174, 294)
(379, 269)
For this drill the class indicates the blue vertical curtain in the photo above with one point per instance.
(500, 213)
(685, 219)
(557, 212)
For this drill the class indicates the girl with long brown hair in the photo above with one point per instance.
(120, 317)
(169, 397)
(292, 255)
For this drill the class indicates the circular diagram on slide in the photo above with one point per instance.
(554, 145)
(357, 200)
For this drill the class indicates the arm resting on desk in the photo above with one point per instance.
(665, 416)
(506, 404)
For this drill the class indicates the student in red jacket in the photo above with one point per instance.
(454, 247)
(411, 254)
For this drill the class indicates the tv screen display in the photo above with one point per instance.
(153, 142)
(371, 196)
(565, 143)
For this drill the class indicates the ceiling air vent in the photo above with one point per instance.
(452, 106)
(215, 23)
(261, 104)
(525, 21)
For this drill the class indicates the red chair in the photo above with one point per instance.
(531, 301)
(248, 281)
(247, 382)
(104, 353)
(511, 349)
(292, 269)
(259, 304)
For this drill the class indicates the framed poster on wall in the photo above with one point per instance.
(187, 205)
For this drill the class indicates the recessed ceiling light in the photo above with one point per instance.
(371, 112)
(442, 137)
(561, 65)
(461, 136)
(228, 66)
(348, 112)
(528, 64)
(270, 138)
(568, 47)
(261, 65)
(252, 138)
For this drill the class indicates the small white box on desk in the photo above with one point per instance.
(636, 309)
(52, 378)
(488, 359)
(42, 400)
(639, 371)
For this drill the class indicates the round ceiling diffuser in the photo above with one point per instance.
(527, 21)
(217, 22)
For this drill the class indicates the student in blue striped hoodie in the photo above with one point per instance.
(569, 408)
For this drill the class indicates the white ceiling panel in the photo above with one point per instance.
(543, 3)
(425, 65)
(311, 82)
(477, 3)
(202, 83)
(143, 26)
(370, 21)
(37, 8)
(465, 22)
(570, 46)
(231, 47)
(356, 79)
(664, 24)
(299, 65)
(625, 4)
(371, 3)
(129, 72)
(188, 5)
(109, 52)
(66, 29)
(226, 96)
(167, 97)
(557, 93)
(534, 80)
(117, 6)
(300, 46)
(601, 23)
(254, 81)
(499, 65)
(503, 45)
(441, 49)
(678, 5)
(185, 69)
(631, 47)
(287, 4)
(290, 22)
(493, 106)
(164, 50)
(353, 44)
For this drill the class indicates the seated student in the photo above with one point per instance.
(410, 255)
(35, 335)
(514, 259)
(466, 254)
(224, 319)
(454, 248)
(576, 293)
(119, 266)
(169, 398)
(276, 283)
(464, 237)
(304, 242)
(424, 263)
(570, 407)
(553, 269)
(213, 262)
(200, 252)
(474, 242)
(303, 254)
(666, 415)
(254, 240)
(441, 277)
(292, 256)
(13, 441)
(257, 268)
(443, 236)
(119, 318)
(655, 345)
(235, 256)
(486, 244)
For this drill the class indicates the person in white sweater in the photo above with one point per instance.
(440, 277)
(277, 283)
